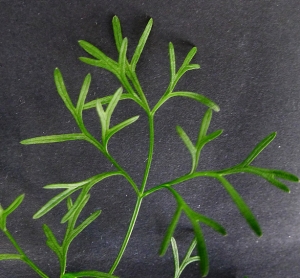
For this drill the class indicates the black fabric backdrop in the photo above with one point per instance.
(249, 56)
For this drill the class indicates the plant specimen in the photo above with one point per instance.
(125, 71)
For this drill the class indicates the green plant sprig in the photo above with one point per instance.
(125, 71)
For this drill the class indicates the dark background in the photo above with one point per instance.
(249, 55)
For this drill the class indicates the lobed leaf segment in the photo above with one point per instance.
(125, 71)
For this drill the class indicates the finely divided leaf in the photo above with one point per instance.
(141, 44)
(259, 148)
(204, 100)
(242, 206)
(117, 32)
(54, 139)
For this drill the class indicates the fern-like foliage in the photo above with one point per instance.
(124, 68)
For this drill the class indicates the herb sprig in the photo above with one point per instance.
(125, 71)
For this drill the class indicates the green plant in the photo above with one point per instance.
(125, 70)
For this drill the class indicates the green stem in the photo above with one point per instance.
(140, 195)
(213, 174)
(128, 234)
(150, 152)
(180, 180)
(24, 257)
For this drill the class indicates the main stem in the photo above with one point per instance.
(128, 234)
(140, 195)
